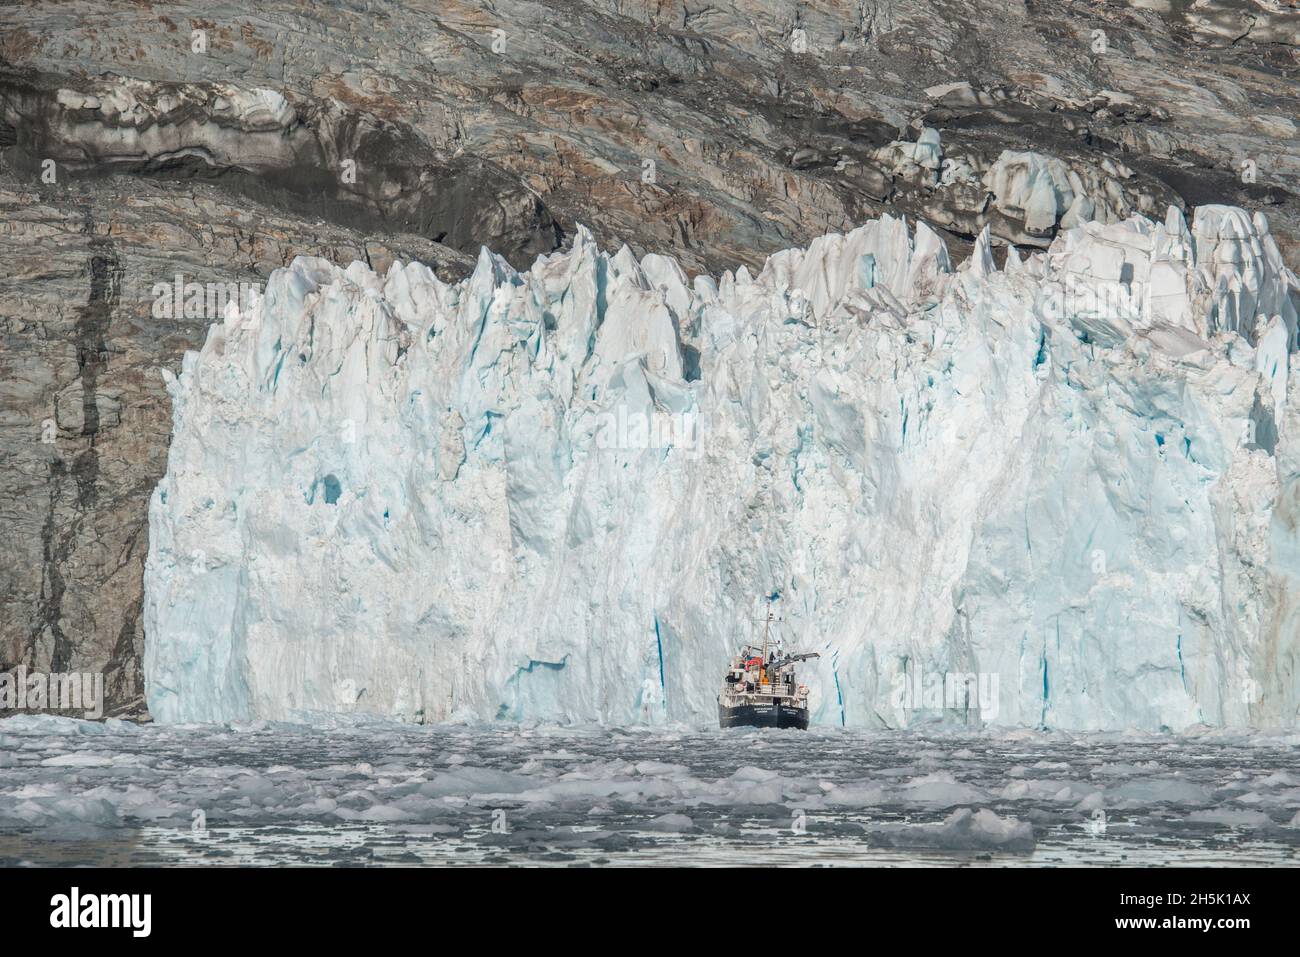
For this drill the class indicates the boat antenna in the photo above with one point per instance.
(767, 626)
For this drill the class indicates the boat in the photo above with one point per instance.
(760, 689)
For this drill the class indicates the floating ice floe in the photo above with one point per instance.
(963, 829)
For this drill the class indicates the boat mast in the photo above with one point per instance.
(767, 626)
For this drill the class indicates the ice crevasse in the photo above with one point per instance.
(566, 494)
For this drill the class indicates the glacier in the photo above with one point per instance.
(566, 495)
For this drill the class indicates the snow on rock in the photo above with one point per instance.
(123, 119)
(906, 158)
(565, 494)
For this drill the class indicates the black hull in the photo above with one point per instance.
(763, 716)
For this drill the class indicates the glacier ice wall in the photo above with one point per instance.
(565, 494)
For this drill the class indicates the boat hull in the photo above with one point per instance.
(762, 716)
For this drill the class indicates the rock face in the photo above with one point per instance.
(218, 143)
(555, 495)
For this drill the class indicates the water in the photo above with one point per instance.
(379, 794)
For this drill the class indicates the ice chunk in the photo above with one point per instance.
(962, 830)
(671, 823)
